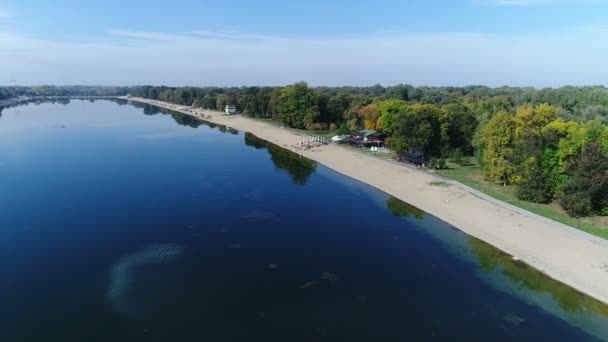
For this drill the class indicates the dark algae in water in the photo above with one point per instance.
(491, 259)
(403, 209)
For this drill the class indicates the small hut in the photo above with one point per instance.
(230, 109)
(340, 138)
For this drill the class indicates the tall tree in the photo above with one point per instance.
(498, 137)
(534, 184)
(275, 99)
(221, 102)
(458, 125)
(297, 106)
(417, 126)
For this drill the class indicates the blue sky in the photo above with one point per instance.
(332, 42)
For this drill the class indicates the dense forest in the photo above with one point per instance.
(551, 144)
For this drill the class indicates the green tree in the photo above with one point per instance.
(297, 106)
(335, 107)
(458, 125)
(417, 126)
(273, 105)
(209, 102)
(197, 103)
(577, 136)
(343, 129)
(387, 110)
(534, 183)
(456, 155)
(221, 102)
(587, 191)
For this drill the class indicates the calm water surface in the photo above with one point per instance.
(121, 223)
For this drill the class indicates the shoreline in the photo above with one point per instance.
(16, 101)
(568, 255)
(10, 102)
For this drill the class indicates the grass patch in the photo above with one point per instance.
(324, 134)
(440, 183)
(471, 175)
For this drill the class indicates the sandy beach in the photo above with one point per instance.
(570, 256)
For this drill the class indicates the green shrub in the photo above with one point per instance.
(576, 204)
(343, 129)
(437, 164)
(456, 155)
(441, 165)
(317, 127)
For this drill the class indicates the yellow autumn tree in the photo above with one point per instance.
(498, 137)
(533, 118)
(371, 115)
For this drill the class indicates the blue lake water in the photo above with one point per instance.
(122, 223)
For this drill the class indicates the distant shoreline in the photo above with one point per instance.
(8, 102)
(12, 101)
(570, 256)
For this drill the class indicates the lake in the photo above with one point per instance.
(122, 222)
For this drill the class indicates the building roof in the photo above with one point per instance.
(341, 137)
(368, 133)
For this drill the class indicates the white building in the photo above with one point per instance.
(230, 109)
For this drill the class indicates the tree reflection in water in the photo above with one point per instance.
(296, 166)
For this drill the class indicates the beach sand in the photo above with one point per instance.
(570, 256)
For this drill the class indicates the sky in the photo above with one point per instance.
(539, 43)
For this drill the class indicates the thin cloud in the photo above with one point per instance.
(143, 35)
(194, 35)
(233, 35)
(225, 58)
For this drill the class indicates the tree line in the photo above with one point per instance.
(551, 144)
(50, 90)
(337, 105)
